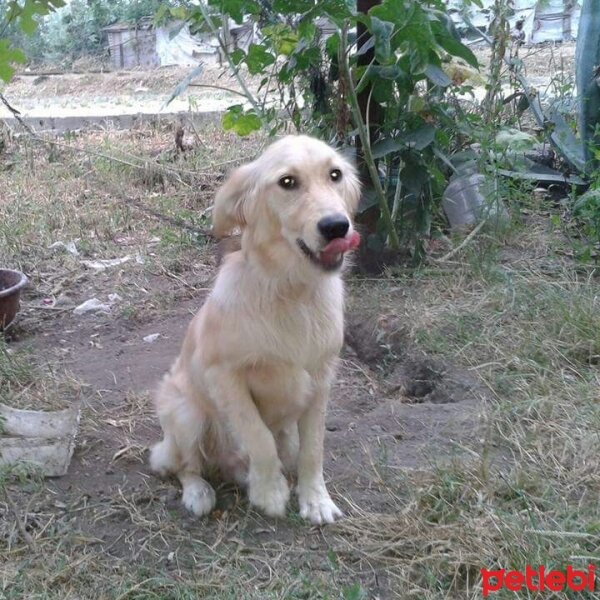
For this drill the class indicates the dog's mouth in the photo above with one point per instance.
(331, 256)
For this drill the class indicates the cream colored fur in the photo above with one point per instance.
(249, 390)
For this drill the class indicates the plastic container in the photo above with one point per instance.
(469, 199)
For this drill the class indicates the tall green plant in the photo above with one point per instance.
(588, 79)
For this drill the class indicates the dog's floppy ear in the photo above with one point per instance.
(231, 202)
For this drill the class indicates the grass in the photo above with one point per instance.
(528, 492)
(511, 310)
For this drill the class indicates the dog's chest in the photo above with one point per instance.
(303, 334)
(263, 324)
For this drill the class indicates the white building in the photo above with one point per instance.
(543, 20)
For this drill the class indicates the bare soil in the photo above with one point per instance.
(549, 67)
(393, 410)
(121, 92)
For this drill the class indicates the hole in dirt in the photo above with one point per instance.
(378, 341)
(421, 379)
(383, 343)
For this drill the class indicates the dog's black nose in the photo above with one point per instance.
(334, 226)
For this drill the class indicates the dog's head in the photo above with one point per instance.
(299, 196)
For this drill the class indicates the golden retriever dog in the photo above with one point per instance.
(249, 390)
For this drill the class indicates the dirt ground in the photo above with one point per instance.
(402, 418)
(393, 408)
(547, 66)
(121, 92)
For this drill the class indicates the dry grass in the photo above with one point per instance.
(527, 322)
(111, 210)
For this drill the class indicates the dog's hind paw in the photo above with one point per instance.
(270, 496)
(199, 497)
(317, 507)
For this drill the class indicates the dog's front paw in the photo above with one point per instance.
(270, 495)
(199, 497)
(317, 506)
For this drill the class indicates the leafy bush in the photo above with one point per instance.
(313, 82)
(586, 211)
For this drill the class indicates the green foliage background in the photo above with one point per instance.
(50, 33)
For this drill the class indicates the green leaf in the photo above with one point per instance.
(236, 9)
(515, 140)
(258, 59)
(383, 90)
(237, 56)
(332, 44)
(420, 138)
(412, 35)
(382, 31)
(305, 58)
(394, 11)
(27, 20)
(451, 45)
(178, 12)
(184, 83)
(414, 175)
(416, 103)
(160, 16)
(243, 123)
(8, 56)
(387, 146)
(437, 76)
(282, 38)
(387, 72)
(307, 30)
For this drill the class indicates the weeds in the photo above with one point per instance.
(527, 493)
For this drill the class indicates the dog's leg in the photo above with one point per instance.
(315, 503)
(179, 452)
(287, 446)
(267, 487)
(164, 457)
(198, 495)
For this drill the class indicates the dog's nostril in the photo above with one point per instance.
(335, 226)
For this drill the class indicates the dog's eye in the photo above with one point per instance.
(288, 182)
(335, 174)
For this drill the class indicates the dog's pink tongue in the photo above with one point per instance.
(331, 253)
